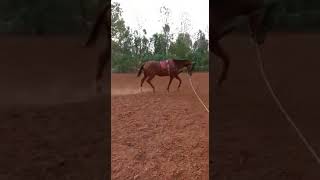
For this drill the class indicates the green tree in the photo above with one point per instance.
(122, 41)
(166, 14)
(159, 45)
(117, 23)
(142, 47)
(200, 52)
(182, 47)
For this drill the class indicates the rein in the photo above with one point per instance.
(195, 92)
(280, 106)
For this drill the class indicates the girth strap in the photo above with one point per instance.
(168, 66)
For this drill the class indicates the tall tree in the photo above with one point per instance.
(182, 47)
(200, 52)
(159, 45)
(185, 24)
(165, 15)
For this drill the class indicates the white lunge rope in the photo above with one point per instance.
(276, 99)
(195, 92)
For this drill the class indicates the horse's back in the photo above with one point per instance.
(151, 66)
(151, 63)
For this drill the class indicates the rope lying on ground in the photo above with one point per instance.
(195, 92)
(282, 109)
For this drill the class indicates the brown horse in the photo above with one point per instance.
(170, 67)
(261, 16)
(223, 14)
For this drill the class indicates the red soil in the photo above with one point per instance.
(63, 135)
(252, 139)
(52, 125)
(159, 135)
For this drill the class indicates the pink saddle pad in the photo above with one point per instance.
(164, 65)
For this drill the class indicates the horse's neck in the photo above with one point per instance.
(180, 65)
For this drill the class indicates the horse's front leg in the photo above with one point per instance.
(169, 83)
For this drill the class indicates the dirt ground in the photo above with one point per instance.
(252, 139)
(159, 135)
(52, 124)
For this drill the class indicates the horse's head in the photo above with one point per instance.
(190, 66)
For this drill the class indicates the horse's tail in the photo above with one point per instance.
(140, 70)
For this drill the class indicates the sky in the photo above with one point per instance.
(146, 14)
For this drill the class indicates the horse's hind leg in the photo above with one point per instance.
(149, 82)
(142, 81)
(177, 77)
(169, 83)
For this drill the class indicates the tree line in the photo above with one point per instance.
(75, 16)
(130, 48)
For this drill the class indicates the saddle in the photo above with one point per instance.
(166, 65)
